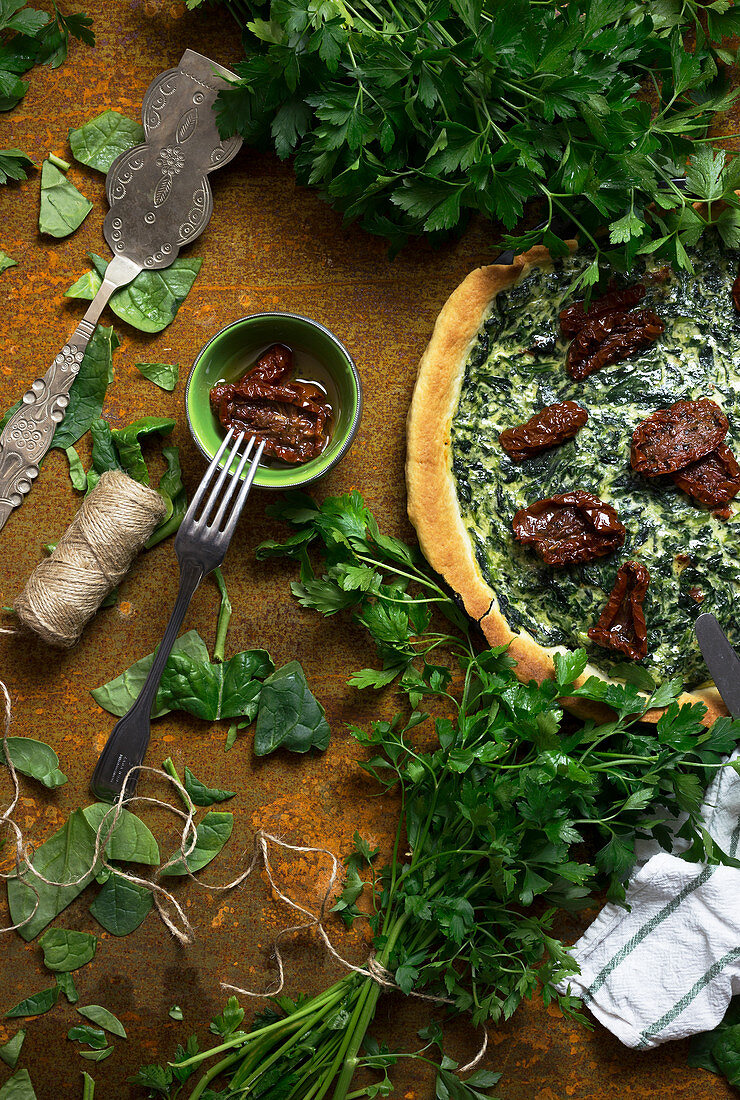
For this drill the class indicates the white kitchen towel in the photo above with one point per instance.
(667, 968)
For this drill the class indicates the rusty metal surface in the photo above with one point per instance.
(270, 245)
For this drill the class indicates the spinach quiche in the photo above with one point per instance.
(496, 357)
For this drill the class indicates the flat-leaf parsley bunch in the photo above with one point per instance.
(410, 117)
(510, 811)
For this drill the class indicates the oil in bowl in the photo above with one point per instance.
(254, 390)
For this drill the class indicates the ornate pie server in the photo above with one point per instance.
(160, 199)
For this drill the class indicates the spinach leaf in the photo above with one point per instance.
(131, 841)
(67, 855)
(121, 906)
(104, 455)
(88, 389)
(93, 1036)
(289, 715)
(19, 1087)
(36, 1004)
(719, 1050)
(103, 138)
(126, 442)
(224, 616)
(14, 163)
(96, 1055)
(66, 985)
(63, 208)
(76, 470)
(35, 759)
(65, 949)
(119, 695)
(214, 691)
(6, 261)
(10, 1052)
(151, 301)
(212, 833)
(200, 794)
(103, 1018)
(164, 375)
(172, 489)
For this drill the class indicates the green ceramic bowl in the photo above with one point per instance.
(319, 356)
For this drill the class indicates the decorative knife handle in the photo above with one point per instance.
(29, 432)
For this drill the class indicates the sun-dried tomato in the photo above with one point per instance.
(573, 318)
(293, 418)
(621, 625)
(736, 292)
(573, 527)
(673, 438)
(696, 594)
(273, 366)
(714, 480)
(552, 425)
(607, 339)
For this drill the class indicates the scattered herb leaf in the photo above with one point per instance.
(212, 833)
(164, 375)
(121, 906)
(175, 1013)
(76, 470)
(103, 138)
(63, 208)
(35, 1005)
(224, 616)
(65, 949)
(119, 695)
(19, 1087)
(131, 840)
(93, 1036)
(67, 986)
(66, 856)
(35, 759)
(10, 1052)
(151, 301)
(289, 715)
(103, 1018)
(88, 389)
(96, 1055)
(6, 261)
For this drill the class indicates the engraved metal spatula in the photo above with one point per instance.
(160, 200)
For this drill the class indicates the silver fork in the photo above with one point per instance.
(200, 544)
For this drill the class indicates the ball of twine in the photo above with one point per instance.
(93, 555)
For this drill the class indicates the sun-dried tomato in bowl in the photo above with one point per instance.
(292, 417)
(549, 427)
(621, 625)
(673, 438)
(570, 528)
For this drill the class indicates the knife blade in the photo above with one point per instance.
(721, 660)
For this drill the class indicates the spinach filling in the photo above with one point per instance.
(689, 551)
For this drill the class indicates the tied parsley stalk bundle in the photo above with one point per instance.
(510, 811)
(411, 117)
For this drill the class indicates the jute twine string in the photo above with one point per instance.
(93, 555)
(168, 907)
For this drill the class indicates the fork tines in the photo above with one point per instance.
(215, 501)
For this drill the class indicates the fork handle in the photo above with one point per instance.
(126, 747)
